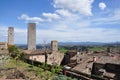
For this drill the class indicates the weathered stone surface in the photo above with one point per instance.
(3, 45)
(31, 36)
(10, 36)
(54, 45)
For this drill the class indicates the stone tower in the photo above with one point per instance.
(54, 45)
(10, 36)
(31, 36)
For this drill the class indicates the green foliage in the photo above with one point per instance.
(63, 50)
(22, 56)
(40, 72)
(29, 70)
(56, 69)
(97, 48)
(49, 74)
(14, 51)
(53, 70)
(32, 68)
(43, 72)
(44, 66)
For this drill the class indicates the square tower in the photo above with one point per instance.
(31, 36)
(10, 36)
(54, 45)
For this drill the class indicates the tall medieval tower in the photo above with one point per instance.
(54, 45)
(31, 36)
(10, 36)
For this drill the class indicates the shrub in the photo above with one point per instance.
(63, 50)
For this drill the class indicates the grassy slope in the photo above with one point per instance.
(28, 70)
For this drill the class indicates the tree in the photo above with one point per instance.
(14, 51)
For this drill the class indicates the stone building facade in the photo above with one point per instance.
(3, 45)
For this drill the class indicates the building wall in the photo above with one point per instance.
(31, 36)
(3, 45)
(109, 68)
(5, 51)
(10, 36)
(39, 58)
(54, 45)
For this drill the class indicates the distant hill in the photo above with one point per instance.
(81, 43)
(89, 43)
(39, 46)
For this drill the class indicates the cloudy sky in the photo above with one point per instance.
(62, 20)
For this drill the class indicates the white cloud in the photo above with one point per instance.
(67, 23)
(19, 30)
(64, 13)
(27, 18)
(102, 5)
(60, 27)
(81, 6)
(51, 16)
(63, 33)
(116, 15)
(64, 8)
(114, 18)
(82, 34)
